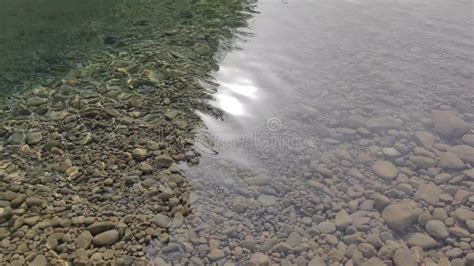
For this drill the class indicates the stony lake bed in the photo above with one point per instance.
(357, 150)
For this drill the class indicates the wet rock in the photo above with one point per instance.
(50, 144)
(381, 201)
(32, 220)
(267, 200)
(158, 261)
(468, 139)
(294, 239)
(399, 216)
(430, 193)
(35, 101)
(464, 214)
(390, 152)
(327, 227)
(317, 261)
(469, 224)
(437, 229)
(404, 257)
(164, 161)
(449, 125)
(146, 168)
(215, 254)
(281, 247)
(260, 259)
(5, 214)
(99, 227)
(161, 220)
(383, 123)
(259, 180)
(425, 138)
(324, 171)
(34, 201)
(343, 219)
(421, 240)
(385, 169)
(39, 260)
(84, 240)
(464, 152)
(33, 138)
(470, 258)
(239, 204)
(139, 154)
(459, 232)
(106, 238)
(423, 161)
(449, 160)
(374, 261)
(469, 173)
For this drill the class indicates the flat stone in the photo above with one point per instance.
(99, 227)
(343, 219)
(267, 200)
(215, 254)
(385, 169)
(381, 201)
(464, 214)
(450, 160)
(468, 139)
(469, 173)
(33, 138)
(470, 258)
(429, 193)
(404, 257)
(164, 160)
(423, 161)
(281, 247)
(239, 204)
(161, 220)
(374, 261)
(469, 224)
(383, 123)
(34, 201)
(294, 239)
(464, 152)
(421, 240)
(258, 180)
(449, 125)
(35, 101)
(260, 259)
(106, 238)
(399, 216)
(391, 152)
(459, 232)
(437, 229)
(317, 261)
(425, 138)
(40, 260)
(327, 227)
(84, 240)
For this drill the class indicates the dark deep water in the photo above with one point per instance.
(347, 135)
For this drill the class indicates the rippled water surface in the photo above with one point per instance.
(316, 95)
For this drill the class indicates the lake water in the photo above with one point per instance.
(331, 133)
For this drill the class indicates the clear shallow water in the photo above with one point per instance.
(298, 94)
(348, 128)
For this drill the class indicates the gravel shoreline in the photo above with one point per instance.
(89, 158)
